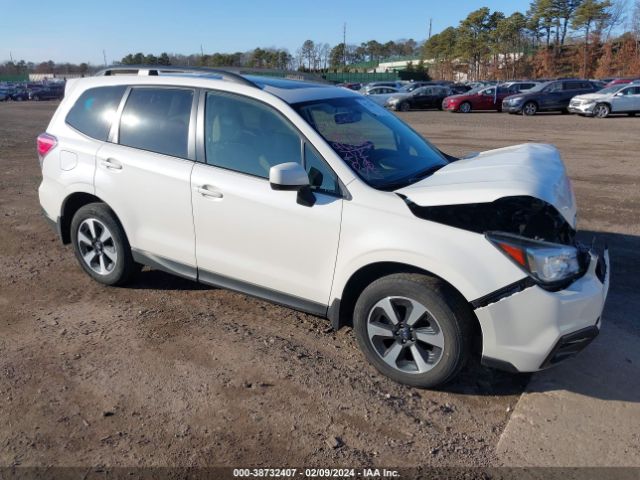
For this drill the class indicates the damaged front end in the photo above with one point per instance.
(521, 215)
(528, 231)
(520, 199)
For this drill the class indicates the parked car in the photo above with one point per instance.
(620, 98)
(4, 94)
(19, 94)
(549, 96)
(311, 197)
(423, 97)
(392, 84)
(47, 92)
(621, 81)
(351, 86)
(380, 94)
(458, 88)
(485, 98)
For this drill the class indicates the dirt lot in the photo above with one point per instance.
(167, 372)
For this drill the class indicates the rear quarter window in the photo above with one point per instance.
(95, 110)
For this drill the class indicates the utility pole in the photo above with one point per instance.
(344, 44)
(430, 25)
(11, 56)
(104, 57)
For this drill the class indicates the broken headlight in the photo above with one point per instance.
(550, 264)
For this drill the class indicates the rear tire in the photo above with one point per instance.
(529, 109)
(427, 341)
(101, 246)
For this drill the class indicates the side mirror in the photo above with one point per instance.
(292, 176)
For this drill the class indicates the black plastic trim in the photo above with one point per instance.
(164, 264)
(570, 345)
(54, 224)
(273, 296)
(498, 364)
(285, 188)
(333, 314)
(503, 292)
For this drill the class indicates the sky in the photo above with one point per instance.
(78, 31)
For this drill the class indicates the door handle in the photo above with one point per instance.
(111, 164)
(205, 192)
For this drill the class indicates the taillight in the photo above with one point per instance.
(45, 143)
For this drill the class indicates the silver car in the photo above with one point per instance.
(381, 94)
(616, 99)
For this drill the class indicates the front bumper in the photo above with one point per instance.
(512, 108)
(535, 328)
(582, 109)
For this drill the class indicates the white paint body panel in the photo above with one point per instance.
(152, 198)
(262, 236)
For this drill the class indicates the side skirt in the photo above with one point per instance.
(221, 281)
(257, 291)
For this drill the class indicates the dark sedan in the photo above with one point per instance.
(548, 97)
(420, 98)
(47, 92)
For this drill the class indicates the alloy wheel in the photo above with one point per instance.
(530, 109)
(405, 335)
(601, 111)
(97, 246)
(465, 107)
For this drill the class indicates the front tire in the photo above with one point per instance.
(602, 110)
(465, 108)
(414, 329)
(404, 107)
(101, 246)
(530, 109)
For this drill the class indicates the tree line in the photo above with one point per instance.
(552, 38)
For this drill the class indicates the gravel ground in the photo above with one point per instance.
(168, 372)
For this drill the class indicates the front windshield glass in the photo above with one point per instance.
(380, 148)
(612, 89)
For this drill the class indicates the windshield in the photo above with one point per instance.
(612, 89)
(380, 148)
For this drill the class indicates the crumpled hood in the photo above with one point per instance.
(534, 170)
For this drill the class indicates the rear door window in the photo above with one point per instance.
(157, 120)
(95, 110)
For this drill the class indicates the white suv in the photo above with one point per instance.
(316, 198)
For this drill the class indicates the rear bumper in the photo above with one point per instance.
(535, 328)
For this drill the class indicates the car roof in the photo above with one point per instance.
(289, 90)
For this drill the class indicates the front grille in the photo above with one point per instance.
(570, 345)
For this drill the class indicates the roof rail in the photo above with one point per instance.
(155, 70)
